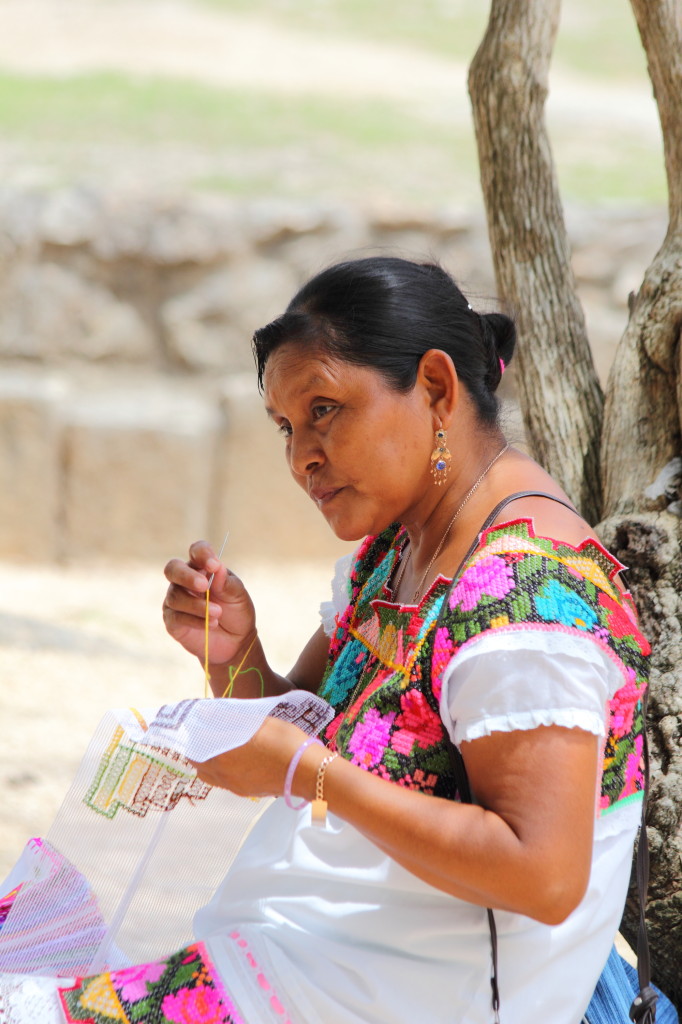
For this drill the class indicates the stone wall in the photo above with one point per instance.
(129, 418)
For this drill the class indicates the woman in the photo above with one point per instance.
(520, 651)
(381, 379)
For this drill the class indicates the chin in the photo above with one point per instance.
(347, 529)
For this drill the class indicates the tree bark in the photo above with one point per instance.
(644, 397)
(641, 442)
(642, 461)
(560, 398)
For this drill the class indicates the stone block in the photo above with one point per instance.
(268, 515)
(210, 326)
(52, 314)
(30, 464)
(138, 462)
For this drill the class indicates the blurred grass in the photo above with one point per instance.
(113, 106)
(595, 38)
(250, 142)
(258, 142)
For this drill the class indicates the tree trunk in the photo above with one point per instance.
(641, 446)
(642, 416)
(560, 398)
(641, 456)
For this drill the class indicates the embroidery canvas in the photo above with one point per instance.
(138, 779)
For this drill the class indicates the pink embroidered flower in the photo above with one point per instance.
(370, 738)
(443, 649)
(417, 723)
(131, 982)
(419, 781)
(201, 1005)
(622, 706)
(634, 777)
(491, 576)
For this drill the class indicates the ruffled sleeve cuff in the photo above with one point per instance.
(519, 679)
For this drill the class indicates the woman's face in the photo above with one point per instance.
(359, 448)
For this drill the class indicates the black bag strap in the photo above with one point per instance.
(643, 1009)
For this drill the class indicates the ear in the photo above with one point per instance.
(439, 382)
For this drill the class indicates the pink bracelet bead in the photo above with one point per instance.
(293, 765)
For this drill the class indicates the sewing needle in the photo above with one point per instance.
(222, 548)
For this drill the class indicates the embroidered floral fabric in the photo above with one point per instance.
(378, 678)
(184, 989)
(386, 662)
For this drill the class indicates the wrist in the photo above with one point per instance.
(224, 675)
(296, 767)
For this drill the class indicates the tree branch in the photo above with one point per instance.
(560, 394)
(642, 429)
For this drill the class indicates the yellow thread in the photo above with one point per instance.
(233, 675)
(140, 719)
(207, 675)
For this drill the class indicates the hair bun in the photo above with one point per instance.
(499, 334)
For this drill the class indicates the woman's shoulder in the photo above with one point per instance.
(518, 578)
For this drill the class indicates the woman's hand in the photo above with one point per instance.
(232, 619)
(259, 767)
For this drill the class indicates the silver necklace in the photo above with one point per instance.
(405, 560)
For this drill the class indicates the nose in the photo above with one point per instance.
(305, 454)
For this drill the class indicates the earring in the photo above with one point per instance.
(440, 457)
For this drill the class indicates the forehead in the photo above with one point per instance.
(298, 371)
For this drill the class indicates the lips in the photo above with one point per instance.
(322, 495)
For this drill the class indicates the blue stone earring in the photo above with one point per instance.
(440, 458)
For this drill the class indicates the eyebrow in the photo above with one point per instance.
(313, 382)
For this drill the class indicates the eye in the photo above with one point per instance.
(320, 411)
(284, 428)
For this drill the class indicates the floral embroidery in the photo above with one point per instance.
(184, 989)
(633, 770)
(491, 576)
(557, 603)
(386, 663)
(622, 624)
(623, 705)
(417, 723)
(370, 738)
(133, 980)
(419, 781)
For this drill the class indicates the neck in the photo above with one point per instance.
(447, 525)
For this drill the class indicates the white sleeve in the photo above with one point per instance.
(523, 679)
(340, 593)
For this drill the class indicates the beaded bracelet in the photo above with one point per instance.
(293, 765)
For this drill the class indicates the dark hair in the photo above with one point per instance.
(385, 313)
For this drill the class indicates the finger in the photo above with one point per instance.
(202, 556)
(227, 586)
(182, 601)
(183, 575)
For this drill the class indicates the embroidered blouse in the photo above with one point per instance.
(535, 633)
(391, 665)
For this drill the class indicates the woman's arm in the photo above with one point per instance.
(237, 663)
(526, 849)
